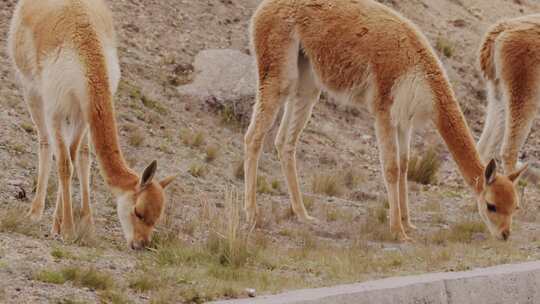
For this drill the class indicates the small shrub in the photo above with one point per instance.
(328, 184)
(197, 170)
(136, 138)
(211, 153)
(463, 232)
(276, 185)
(50, 276)
(144, 282)
(262, 185)
(14, 221)
(424, 169)
(351, 178)
(192, 139)
(60, 253)
(381, 214)
(445, 47)
(28, 128)
(308, 202)
(227, 242)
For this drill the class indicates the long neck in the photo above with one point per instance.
(101, 116)
(453, 128)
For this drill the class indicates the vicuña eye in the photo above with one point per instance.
(491, 208)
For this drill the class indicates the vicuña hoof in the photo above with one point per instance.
(409, 226)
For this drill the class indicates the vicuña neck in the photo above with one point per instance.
(101, 116)
(453, 128)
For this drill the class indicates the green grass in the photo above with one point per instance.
(82, 277)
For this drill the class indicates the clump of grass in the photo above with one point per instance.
(89, 277)
(13, 220)
(191, 138)
(28, 128)
(381, 214)
(276, 185)
(226, 240)
(463, 231)
(153, 104)
(351, 178)
(50, 276)
(197, 170)
(329, 184)
(424, 169)
(144, 282)
(230, 117)
(113, 297)
(263, 186)
(211, 153)
(444, 46)
(136, 138)
(60, 253)
(308, 202)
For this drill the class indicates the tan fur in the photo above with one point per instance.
(65, 54)
(363, 50)
(510, 62)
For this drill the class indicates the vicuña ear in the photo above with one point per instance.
(166, 181)
(514, 176)
(491, 172)
(148, 174)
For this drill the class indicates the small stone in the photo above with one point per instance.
(252, 293)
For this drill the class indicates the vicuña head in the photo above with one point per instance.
(140, 208)
(498, 200)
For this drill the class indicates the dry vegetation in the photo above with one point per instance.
(203, 249)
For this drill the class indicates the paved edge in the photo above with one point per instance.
(513, 283)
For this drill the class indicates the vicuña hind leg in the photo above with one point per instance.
(277, 58)
(297, 114)
(404, 136)
(65, 171)
(388, 150)
(35, 105)
(80, 155)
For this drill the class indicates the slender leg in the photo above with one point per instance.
(493, 132)
(404, 138)
(80, 155)
(35, 106)
(58, 214)
(277, 58)
(269, 101)
(297, 114)
(388, 151)
(520, 115)
(65, 171)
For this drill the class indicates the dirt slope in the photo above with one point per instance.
(158, 41)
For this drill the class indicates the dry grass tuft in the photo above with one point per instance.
(198, 170)
(13, 220)
(82, 277)
(136, 137)
(329, 184)
(444, 46)
(227, 240)
(424, 169)
(192, 139)
(211, 153)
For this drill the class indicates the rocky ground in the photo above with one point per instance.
(159, 41)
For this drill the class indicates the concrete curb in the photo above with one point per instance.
(505, 284)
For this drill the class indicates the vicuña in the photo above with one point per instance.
(64, 52)
(366, 53)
